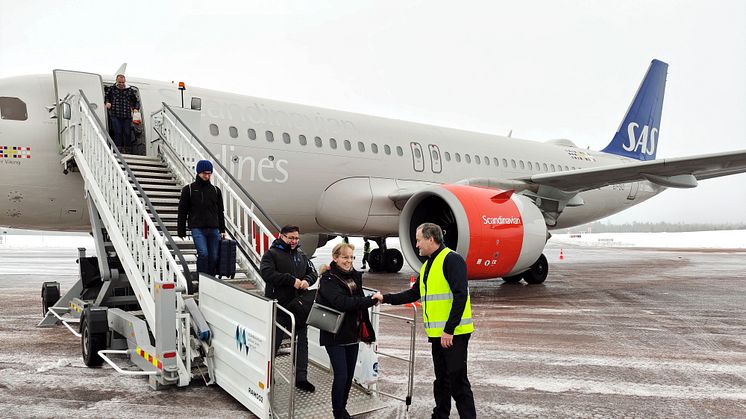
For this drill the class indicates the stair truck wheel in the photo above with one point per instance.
(538, 272)
(393, 260)
(50, 294)
(94, 328)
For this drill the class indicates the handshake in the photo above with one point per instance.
(377, 296)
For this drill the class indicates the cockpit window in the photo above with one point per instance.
(13, 109)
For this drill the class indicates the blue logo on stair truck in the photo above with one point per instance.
(246, 340)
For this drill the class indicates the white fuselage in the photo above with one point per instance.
(311, 183)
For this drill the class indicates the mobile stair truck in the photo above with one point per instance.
(141, 307)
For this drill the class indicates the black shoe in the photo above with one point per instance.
(305, 386)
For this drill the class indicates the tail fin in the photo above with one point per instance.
(637, 136)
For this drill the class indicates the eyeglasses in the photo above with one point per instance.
(292, 239)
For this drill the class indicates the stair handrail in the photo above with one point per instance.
(244, 220)
(235, 181)
(154, 258)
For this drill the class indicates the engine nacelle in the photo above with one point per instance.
(497, 232)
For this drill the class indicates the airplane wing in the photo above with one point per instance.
(680, 172)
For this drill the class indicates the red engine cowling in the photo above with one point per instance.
(497, 232)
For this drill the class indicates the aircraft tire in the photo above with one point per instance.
(538, 272)
(513, 279)
(91, 342)
(393, 260)
(375, 261)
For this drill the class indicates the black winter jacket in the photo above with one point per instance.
(280, 266)
(334, 293)
(201, 204)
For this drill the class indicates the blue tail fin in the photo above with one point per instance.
(637, 136)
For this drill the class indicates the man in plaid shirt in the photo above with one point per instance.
(120, 101)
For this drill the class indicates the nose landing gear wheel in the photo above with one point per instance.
(375, 260)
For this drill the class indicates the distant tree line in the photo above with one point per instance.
(643, 227)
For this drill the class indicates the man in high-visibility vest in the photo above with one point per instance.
(446, 310)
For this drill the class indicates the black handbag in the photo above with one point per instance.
(325, 318)
(301, 304)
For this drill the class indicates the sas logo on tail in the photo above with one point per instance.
(644, 142)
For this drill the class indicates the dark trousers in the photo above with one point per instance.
(301, 345)
(365, 259)
(451, 380)
(343, 359)
(206, 240)
(122, 129)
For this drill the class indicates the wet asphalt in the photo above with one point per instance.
(611, 333)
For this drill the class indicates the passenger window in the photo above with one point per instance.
(252, 134)
(497, 162)
(512, 163)
(214, 130)
(544, 165)
(530, 166)
(487, 161)
(13, 109)
(374, 148)
(447, 156)
(523, 166)
(348, 146)
(567, 169)
(361, 146)
(505, 162)
(417, 153)
(302, 139)
(553, 169)
(478, 159)
(333, 143)
(286, 138)
(467, 158)
(399, 151)
(318, 142)
(387, 149)
(270, 136)
(458, 157)
(233, 131)
(196, 104)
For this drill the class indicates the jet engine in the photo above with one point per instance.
(499, 233)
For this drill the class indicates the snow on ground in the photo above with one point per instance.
(723, 239)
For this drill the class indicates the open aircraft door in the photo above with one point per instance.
(67, 86)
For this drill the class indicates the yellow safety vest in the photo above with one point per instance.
(437, 300)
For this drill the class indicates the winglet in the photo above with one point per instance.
(121, 69)
(502, 196)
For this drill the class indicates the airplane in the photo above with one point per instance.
(338, 173)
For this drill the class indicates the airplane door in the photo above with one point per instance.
(67, 85)
(418, 159)
(435, 162)
(634, 187)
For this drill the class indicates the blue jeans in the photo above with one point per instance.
(343, 359)
(122, 128)
(206, 240)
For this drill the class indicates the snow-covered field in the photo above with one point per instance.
(723, 239)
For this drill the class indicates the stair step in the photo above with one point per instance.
(138, 157)
(152, 181)
(164, 201)
(153, 175)
(174, 189)
(148, 168)
(162, 194)
(165, 216)
(161, 210)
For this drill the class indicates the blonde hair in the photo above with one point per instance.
(336, 251)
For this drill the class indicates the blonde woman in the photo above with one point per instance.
(341, 288)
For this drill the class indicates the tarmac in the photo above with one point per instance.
(612, 333)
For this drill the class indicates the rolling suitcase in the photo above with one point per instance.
(227, 259)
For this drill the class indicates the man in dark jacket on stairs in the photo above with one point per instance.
(201, 204)
(285, 270)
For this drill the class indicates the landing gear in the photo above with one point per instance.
(536, 274)
(384, 259)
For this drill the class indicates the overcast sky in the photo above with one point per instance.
(545, 69)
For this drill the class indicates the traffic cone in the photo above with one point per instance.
(562, 255)
(411, 284)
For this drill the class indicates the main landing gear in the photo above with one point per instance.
(383, 259)
(536, 274)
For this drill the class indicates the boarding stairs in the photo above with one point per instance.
(141, 298)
